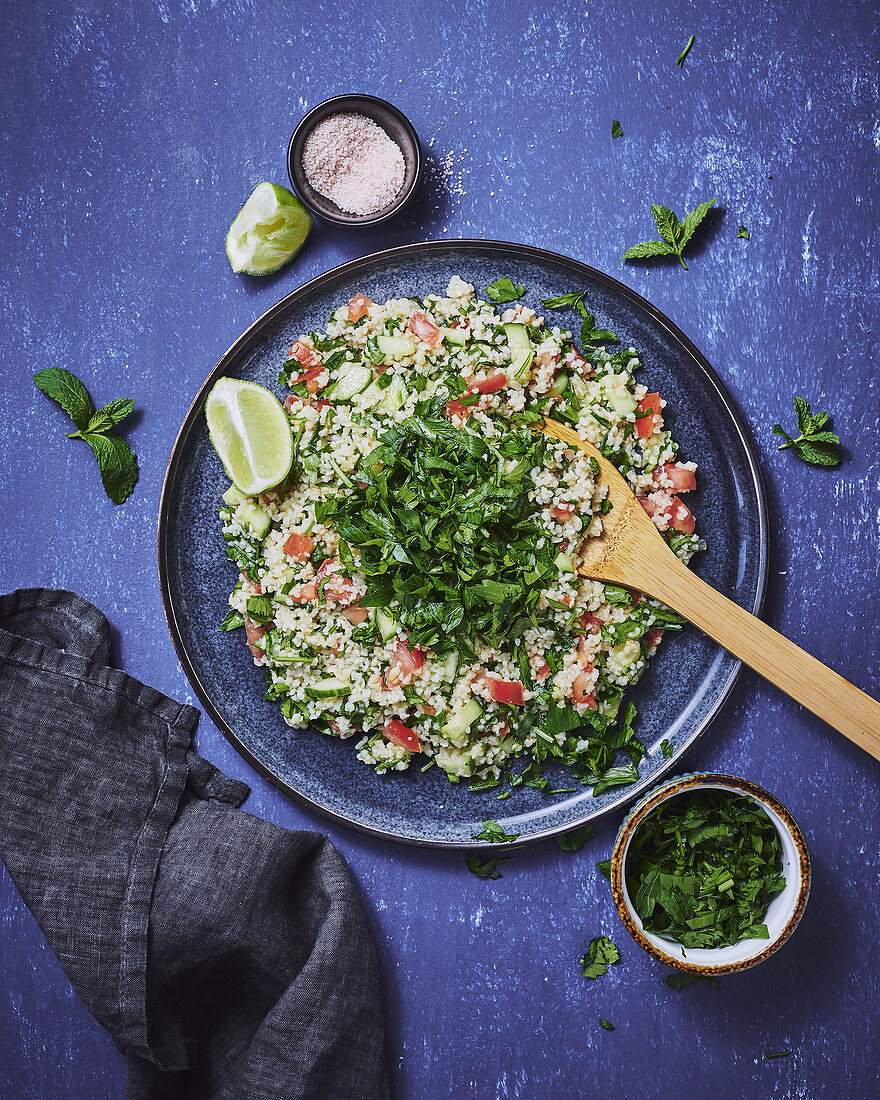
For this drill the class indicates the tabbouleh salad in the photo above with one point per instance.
(413, 583)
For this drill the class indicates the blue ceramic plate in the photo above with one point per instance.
(686, 682)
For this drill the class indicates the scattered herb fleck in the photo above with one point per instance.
(601, 953)
(493, 832)
(666, 749)
(679, 980)
(703, 867)
(676, 235)
(576, 839)
(778, 1054)
(616, 130)
(486, 869)
(743, 232)
(606, 1025)
(117, 463)
(680, 59)
(589, 333)
(814, 444)
(505, 290)
(604, 868)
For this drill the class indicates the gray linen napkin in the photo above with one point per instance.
(228, 958)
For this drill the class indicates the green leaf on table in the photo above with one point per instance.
(616, 130)
(680, 59)
(743, 233)
(68, 391)
(117, 464)
(606, 1025)
(576, 839)
(505, 290)
(676, 235)
(110, 415)
(601, 953)
(486, 868)
(813, 445)
(647, 249)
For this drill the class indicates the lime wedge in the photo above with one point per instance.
(269, 230)
(251, 434)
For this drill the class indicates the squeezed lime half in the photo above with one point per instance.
(251, 433)
(269, 230)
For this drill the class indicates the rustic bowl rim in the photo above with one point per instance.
(671, 788)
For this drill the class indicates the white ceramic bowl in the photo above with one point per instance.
(783, 913)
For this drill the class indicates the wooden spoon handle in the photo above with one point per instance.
(835, 700)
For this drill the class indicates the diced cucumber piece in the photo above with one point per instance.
(256, 518)
(329, 688)
(619, 397)
(558, 385)
(454, 335)
(564, 563)
(396, 347)
(454, 761)
(450, 667)
(387, 624)
(456, 729)
(521, 353)
(370, 395)
(352, 379)
(392, 399)
(233, 497)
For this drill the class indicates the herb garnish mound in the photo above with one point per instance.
(445, 529)
(703, 867)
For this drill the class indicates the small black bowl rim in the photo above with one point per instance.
(294, 171)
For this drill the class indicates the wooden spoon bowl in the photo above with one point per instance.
(632, 552)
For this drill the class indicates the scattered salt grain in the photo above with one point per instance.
(350, 160)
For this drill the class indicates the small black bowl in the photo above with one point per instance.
(396, 125)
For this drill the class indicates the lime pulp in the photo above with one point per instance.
(251, 434)
(268, 231)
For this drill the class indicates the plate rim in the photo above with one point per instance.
(265, 319)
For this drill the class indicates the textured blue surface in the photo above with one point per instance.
(133, 133)
(687, 681)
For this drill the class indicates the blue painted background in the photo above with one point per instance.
(132, 135)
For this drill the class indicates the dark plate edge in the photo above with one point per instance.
(266, 319)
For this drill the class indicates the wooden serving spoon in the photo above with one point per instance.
(632, 552)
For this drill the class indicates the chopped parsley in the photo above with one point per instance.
(589, 333)
(576, 839)
(666, 749)
(486, 868)
(601, 953)
(505, 290)
(493, 832)
(606, 1025)
(743, 233)
(703, 867)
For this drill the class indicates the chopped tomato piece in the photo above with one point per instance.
(404, 665)
(358, 307)
(682, 480)
(543, 671)
(425, 329)
(653, 636)
(306, 593)
(507, 691)
(460, 322)
(503, 730)
(583, 656)
(322, 402)
(591, 622)
(334, 589)
(255, 631)
(291, 400)
(562, 512)
(648, 425)
(497, 380)
(581, 691)
(299, 546)
(311, 380)
(682, 518)
(356, 615)
(399, 734)
(650, 506)
(455, 408)
(306, 355)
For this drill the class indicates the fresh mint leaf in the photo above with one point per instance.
(606, 1025)
(743, 233)
(486, 869)
(680, 59)
(117, 464)
(678, 980)
(68, 391)
(576, 839)
(813, 445)
(676, 235)
(601, 953)
(505, 290)
(110, 415)
(616, 130)
(667, 223)
(647, 249)
(493, 832)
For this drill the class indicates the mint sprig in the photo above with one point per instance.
(676, 235)
(117, 463)
(814, 444)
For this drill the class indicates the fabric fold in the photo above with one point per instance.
(226, 957)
